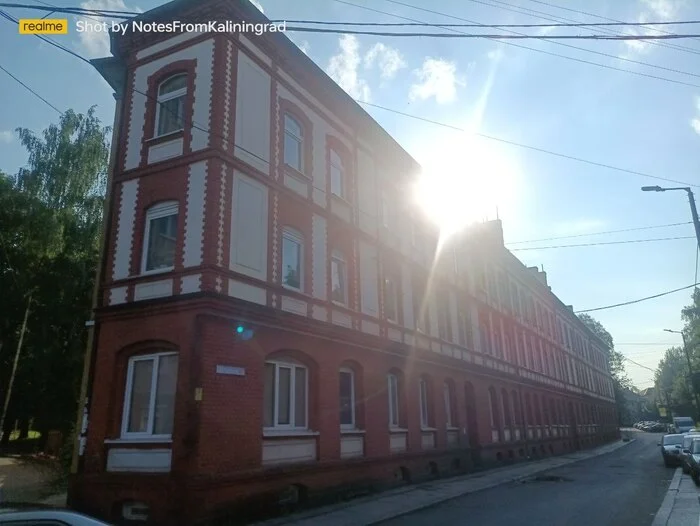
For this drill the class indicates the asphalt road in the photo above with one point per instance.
(622, 488)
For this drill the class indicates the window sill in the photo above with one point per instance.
(282, 433)
(138, 441)
(340, 199)
(452, 428)
(289, 170)
(428, 429)
(398, 430)
(155, 272)
(352, 431)
(339, 304)
(166, 137)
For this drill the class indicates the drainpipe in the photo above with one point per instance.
(93, 330)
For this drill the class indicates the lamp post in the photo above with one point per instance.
(690, 367)
(691, 199)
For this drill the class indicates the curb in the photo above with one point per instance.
(535, 471)
(662, 516)
(552, 463)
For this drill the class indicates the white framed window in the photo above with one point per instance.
(447, 394)
(386, 211)
(293, 143)
(160, 237)
(292, 259)
(285, 395)
(393, 392)
(338, 180)
(170, 107)
(423, 394)
(347, 398)
(339, 278)
(149, 397)
(493, 410)
(443, 317)
(391, 297)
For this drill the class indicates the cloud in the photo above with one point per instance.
(343, 68)
(436, 78)
(304, 46)
(388, 59)
(495, 54)
(258, 5)
(6, 136)
(695, 123)
(96, 42)
(651, 10)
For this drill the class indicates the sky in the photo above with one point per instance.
(538, 93)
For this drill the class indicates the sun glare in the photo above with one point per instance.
(464, 181)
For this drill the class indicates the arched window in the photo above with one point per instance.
(393, 396)
(293, 143)
(170, 109)
(286, 394)
(517, 417)
(292, 259)
(338, 175)
(149, 397)
(347, 398)
(160, 237)
(339, 278)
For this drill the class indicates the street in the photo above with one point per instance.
(621, 488)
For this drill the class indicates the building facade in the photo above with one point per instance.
(274, 319)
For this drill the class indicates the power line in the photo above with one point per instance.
(605, 243)
(506, 6)
(644, 343)
(638, 364)
(490, 137)
(107, 13)
(580, 12)
(430, 24)
(547, 38)
(599, 233)
(526, 146)
(639, 300)
(31, 90)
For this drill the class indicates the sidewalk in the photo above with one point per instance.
(402, 501)
(681, 506)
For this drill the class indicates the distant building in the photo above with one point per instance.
(272, 323)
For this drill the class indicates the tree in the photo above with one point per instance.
(616, 362)
(50, 219)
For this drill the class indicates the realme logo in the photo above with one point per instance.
(38, 26)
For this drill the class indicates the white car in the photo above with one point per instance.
(23, 515)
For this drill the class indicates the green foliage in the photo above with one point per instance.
(50, 221)
(673, 371)
(616, 363)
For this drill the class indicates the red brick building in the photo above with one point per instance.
(271, 324)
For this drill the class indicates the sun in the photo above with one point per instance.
(465, 180)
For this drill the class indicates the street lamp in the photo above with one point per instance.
(691, 199)
(690, 367)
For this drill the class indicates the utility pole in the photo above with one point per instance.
(690, 369)
(14, 364)
(694, 212)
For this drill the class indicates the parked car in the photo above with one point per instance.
(685, 449)
(671, 446)
(693, 460)
(29, 514)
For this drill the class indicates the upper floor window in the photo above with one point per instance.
(338, 177)
(293, 143)
(339, 285)
(393, 392)
(449, 410)
(170, 111)
(443, 317)
(149, 400)
(285, 395)
(391, 295)
(347, 398)
(160, 238)
(292, 260)
(423, 394)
